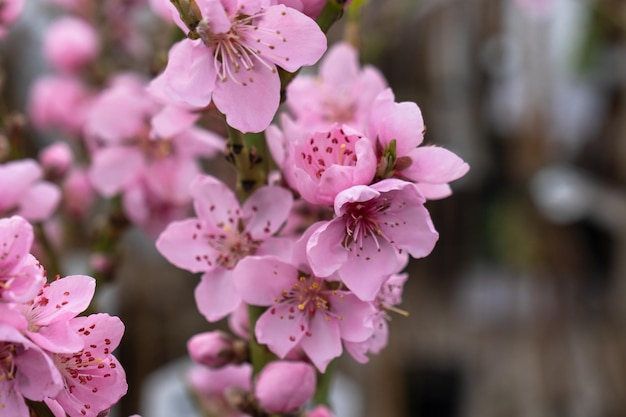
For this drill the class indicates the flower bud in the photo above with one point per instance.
(284, 386)
(213, 349)
(320, 411)
(56, 160)
(71, 44)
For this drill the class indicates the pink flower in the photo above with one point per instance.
(284, 386)
(24, 194)
(70, 44)
(212, 349)
(93, 378)
(26, 371)
(56, 159)
(390, 295)
(79, 195)
(50, 314)
(303, 310)
(342, 92)
(233, 63)
(221, 235)
(59, 103)
(373, 224)
(21, 275)
(212, 386)
(320, 411)
(10, 11)
(431, 167)
(321, 164)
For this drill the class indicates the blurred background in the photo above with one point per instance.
(520, 310)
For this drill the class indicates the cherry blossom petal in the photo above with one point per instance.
(356, 322)
(324, 249)
(434, 191)
(266, 210)
(260, 280)
(57, 337)
(340, 65)
(434, 165)
(39, 201)
(25, 280)
(114, 168)
(171, 121)
(250, 103)
(365, 270)
(16, 177)
(216, 296)
(63, 299)
(281, 330)
(189, 78)
(214, 202)
(16, 239)
(284, 386)
(289, 38)
(324, 342)
(181, 245)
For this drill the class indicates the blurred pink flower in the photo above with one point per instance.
(24, 193)
(56, 159)
(342, 92)
(70, 44)
(10, 11)
(212, 386)
(285, 386)
(233, 63)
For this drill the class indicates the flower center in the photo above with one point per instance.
(7, 363)
(325, 149)
(363, 221)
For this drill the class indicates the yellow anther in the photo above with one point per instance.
(301, 307)
(302, 279)
(227, 228)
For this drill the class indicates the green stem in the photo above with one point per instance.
(324, 380)
(247, 152)
(259, 354)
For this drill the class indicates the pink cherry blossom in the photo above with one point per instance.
(79, 195)
(50, 313)
(10, 11)
(372, 225)
(26, 371)
(389, 296)
(21, 275)
(342, 91)
(320, 411)
(320, 164)
(303, 310)
(59, 102)
(431, 167)
(221, 235)
(233, 62)
(285, 386)
(70, 44)
(24, 193)
(93, 378)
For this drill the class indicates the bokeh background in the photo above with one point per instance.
(520, 310)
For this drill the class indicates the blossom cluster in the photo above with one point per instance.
(306, 266)
(47, 352)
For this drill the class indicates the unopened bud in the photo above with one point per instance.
(189, 12)
(56, 160)
(284, 386)
(216, 349)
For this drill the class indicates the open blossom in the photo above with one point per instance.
(93, 378)
(50, 313)
(389, 296)
(24, 193)
(320, 164)
(342, 92)
(373, 224)
(21, 275)
(303, 310)
(223, 233)
(233, 63)
(59, 102)
(26, 371)
(430, 167)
